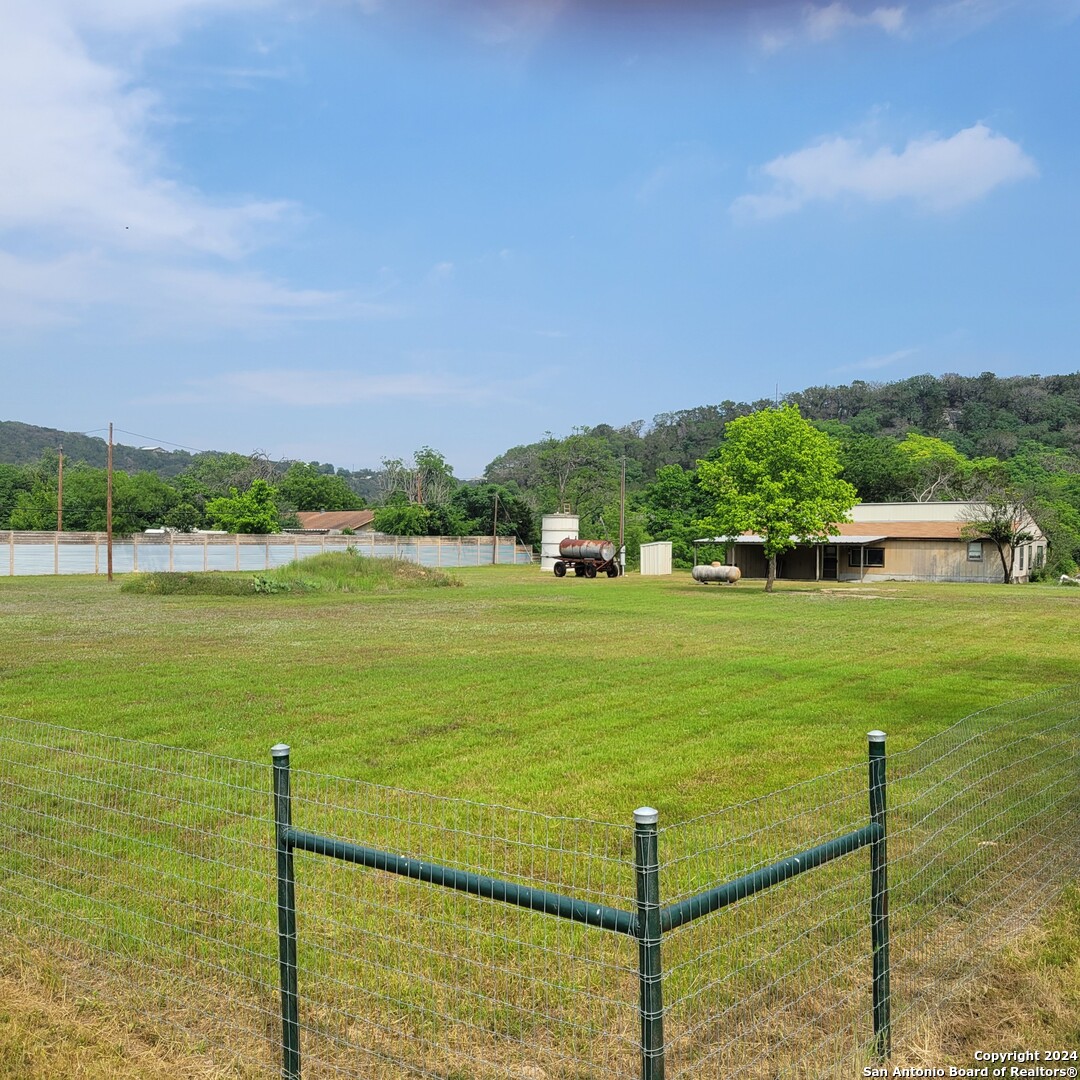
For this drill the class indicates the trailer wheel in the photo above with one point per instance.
(590, 571)
(612, 571)
(579, 571)
(560, 569)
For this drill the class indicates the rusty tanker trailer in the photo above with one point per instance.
(586, 558)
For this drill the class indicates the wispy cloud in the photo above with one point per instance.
(91, 212)
(824, 23)
(517, 23)
(331, 388)
(153, 298)
(789, 25)
(79, 162)
(684, 165)
(935, 173)
(815, 23)
(875, 363)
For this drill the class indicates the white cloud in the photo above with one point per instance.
(824, 23)
(686, 164)
(159, 17)
(92, 213)
(818, 23)
(933, 172)
(328, 388)
(78, 161)
(875, 363)
(517, 23)
(43, 292)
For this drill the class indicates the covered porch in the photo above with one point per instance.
(833, 558)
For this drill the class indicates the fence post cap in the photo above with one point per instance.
(279, 750)
(876, 736)
(646, 815)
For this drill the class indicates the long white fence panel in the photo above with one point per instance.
(40, 553)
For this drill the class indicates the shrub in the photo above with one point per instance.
(336, 571)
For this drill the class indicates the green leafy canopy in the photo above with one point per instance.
(776, 475)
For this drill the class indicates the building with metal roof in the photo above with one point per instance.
(892, 542)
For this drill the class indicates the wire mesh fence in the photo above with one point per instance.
(148, 874)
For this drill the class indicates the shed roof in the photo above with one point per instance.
(868, 532)
(336, 519)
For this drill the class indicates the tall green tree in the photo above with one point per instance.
(873, 464)
(1004, 518)
(251, 511)
(306, 486)
(427, 479)
(401, 518)
(13, 480)
(488, 506)
(579, 471)
(670, 507)
(777, 476)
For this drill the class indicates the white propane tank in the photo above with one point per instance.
(723, 574)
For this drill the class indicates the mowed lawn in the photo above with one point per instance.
(572, 697)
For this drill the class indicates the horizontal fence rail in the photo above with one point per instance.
(43, 553)
(147, 879)
(647, 925)
(606, 918)
(671, 918)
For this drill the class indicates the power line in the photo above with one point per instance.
(150, 438)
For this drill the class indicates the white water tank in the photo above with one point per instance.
(554, 528)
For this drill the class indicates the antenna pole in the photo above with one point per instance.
(60, 494)
(108, 510)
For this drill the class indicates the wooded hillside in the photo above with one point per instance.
(916, 439)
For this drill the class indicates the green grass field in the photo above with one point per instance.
(574, 696)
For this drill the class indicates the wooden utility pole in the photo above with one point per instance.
(495, 531)
(108, 511)
(622, 516)
(60, 494)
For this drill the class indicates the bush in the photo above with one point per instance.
(344, 571)
(185, 584)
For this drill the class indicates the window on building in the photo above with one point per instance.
(1022, 550)
(975, 551)
(1039, 556)
(860, 557)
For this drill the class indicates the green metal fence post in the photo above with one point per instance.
(879, 897)
(651, 1006)
(286, 904)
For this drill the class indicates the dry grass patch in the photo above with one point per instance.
(45, 1034)
(1027, 999)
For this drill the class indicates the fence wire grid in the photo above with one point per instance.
(146, 875)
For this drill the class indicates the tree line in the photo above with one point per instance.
(918, 439)
(252, 494)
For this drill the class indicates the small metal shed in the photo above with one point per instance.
(656, 558)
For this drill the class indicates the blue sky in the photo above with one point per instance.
(343, 229)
